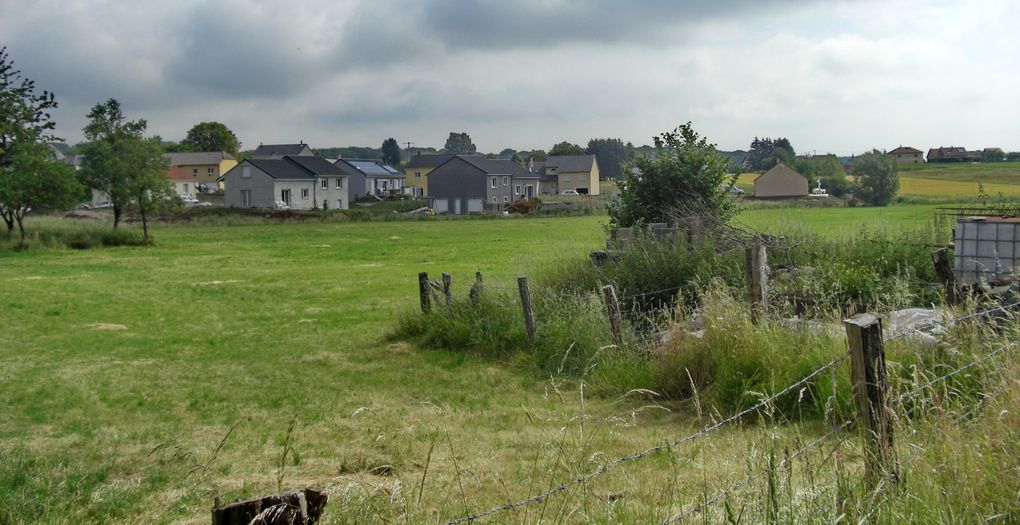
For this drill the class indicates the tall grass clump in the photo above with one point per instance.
(728, 361)
(572, 336)
(58, 232)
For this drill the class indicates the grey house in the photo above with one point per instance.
(469, 184)
(371, 177)
(298, 182)
(278, 151)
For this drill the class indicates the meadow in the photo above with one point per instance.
(140, 383)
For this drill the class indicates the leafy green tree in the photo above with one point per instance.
(1013, 156)
(459, 144)
(211, 136)
(687, 174)
(612, 155)
(507, 153)
(877, 176)
(34, 180)
(566, 148)
(122, 163)
(24, 118)
(391, 151)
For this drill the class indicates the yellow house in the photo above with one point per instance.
(417, 172)
(204, 167)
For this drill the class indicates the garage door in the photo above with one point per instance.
(474, 205)
(440, 205)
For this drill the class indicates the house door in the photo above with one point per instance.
(529, 191)
(285, 196)
(456, 206)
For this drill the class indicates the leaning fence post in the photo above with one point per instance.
(870, 390)
(944, 270)
(423, 292)
(529, 315)
(476, 289)
(756, 271)
(613, 308)
(448, 289)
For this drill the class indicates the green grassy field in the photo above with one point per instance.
(140, 383)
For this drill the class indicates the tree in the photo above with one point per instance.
(566, 148)
(877, 176)
(122, 163)
(508, 153)
(611, 155)
(24, 119)
(687, 173)
(211, 136)
(459, 144)
(391, 151)
(34, 180)
(766, 153)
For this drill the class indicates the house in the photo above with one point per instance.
(907, 155)
(204, 167)
(278, 151)
(183, 181)
(780, 181)
(300, 182)
(417, 172)
(472, 184)
(949, 154)
(568, 172)
(371, 177)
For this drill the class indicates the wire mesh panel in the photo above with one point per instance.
(986, 249)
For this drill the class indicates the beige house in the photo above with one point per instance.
(184, 183)
(560, 173)
(204, 167)
(780, 181)
(417, 172)
(907, 155)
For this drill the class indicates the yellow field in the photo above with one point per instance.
(922, 187)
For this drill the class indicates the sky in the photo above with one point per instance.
(832, 76)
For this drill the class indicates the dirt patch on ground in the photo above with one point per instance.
(216, 283)
(107, 326)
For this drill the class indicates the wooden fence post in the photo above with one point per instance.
(613, 309)
(529, 314)
(476, 289)
(871, 390)
(757, 272)
(448, 289)
(423, 292)
(944, 270)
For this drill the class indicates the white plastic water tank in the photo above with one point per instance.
(987, 249)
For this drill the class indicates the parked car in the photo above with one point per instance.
(188, 199)
(569, 193)
(105, 205)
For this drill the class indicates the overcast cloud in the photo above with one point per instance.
(832, 76)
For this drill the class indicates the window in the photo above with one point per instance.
(339, 204)
(506, 181)
(417, 174)
(517, 189)
(494, 184)
(285, 196)
(304, 193)
(325, 184)
(246, 198)
(194, 171)
(506, 199)
(494, 198)
(210, 171)
(325, 204)
(185, 187)
(246, 172)
(339, 183)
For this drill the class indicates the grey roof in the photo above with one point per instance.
(295, 168)
(368, 168)
(570, 163)
(316, 165)
(427, 161)
(278, 149)
(201, 157)
(497, 166)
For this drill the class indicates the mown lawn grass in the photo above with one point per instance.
(124, 370)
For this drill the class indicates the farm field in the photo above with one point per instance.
(139, 384)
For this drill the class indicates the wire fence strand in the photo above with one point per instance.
(686, 439)
(902, 397)
(755, 475)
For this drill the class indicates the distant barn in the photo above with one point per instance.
(780, 181)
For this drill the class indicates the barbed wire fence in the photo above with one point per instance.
(435, 286)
